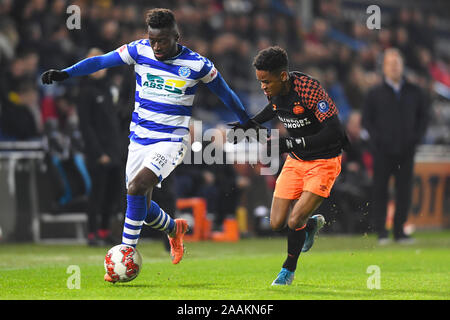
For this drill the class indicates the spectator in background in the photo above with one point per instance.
(354, 87)
(99, 125)
(357, 155)
(396, 117)
(223, 179)
(109, 35)
(403, 43)
(22, 69)
(20, 117)
(9, 37)
(257, 191)
(337, 93)
(216, 181)
(352, 191)
(189, 177)
(64, 145)
(317, 48)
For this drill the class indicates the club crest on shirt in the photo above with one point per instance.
(323, 106)
(298, 109)
(184, 72)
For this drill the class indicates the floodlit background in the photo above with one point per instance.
(43, 179)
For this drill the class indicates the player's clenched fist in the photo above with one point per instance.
(53, 75)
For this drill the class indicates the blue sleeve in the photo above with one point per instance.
(228, 97)
(93, 64)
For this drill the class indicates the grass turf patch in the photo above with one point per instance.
(335, 268)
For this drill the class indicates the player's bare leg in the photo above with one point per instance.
(143, 183)
(279, 213)
(305, 206)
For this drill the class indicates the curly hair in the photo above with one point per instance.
(160, 18)
(272, 59)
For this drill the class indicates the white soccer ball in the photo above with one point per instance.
(123, 263)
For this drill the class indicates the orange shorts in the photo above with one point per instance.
(316, 176)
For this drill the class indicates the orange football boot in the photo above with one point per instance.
(108, 278)
(176, 243)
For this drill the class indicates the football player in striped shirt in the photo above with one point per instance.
(167, 76)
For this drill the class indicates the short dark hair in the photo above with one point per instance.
(160, 18)
(272, 59)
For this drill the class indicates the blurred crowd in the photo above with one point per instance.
(333, 45)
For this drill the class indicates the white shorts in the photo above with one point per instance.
(161, 158)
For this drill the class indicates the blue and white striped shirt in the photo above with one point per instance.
(165, 90)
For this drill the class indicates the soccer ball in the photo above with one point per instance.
(123, 263)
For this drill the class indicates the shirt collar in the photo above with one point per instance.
(395, 86)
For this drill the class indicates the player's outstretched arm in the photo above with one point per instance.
(229, 98)
(263, 116)
(84, 67)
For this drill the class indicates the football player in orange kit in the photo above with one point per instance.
(315, 143)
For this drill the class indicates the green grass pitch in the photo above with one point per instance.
(335, 268)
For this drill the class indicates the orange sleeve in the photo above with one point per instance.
(315, 98)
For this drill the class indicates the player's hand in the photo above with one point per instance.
(53, 75)
(250, 124)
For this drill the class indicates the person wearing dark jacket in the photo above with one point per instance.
(396, 116)
(99, 125)
(20, 115)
